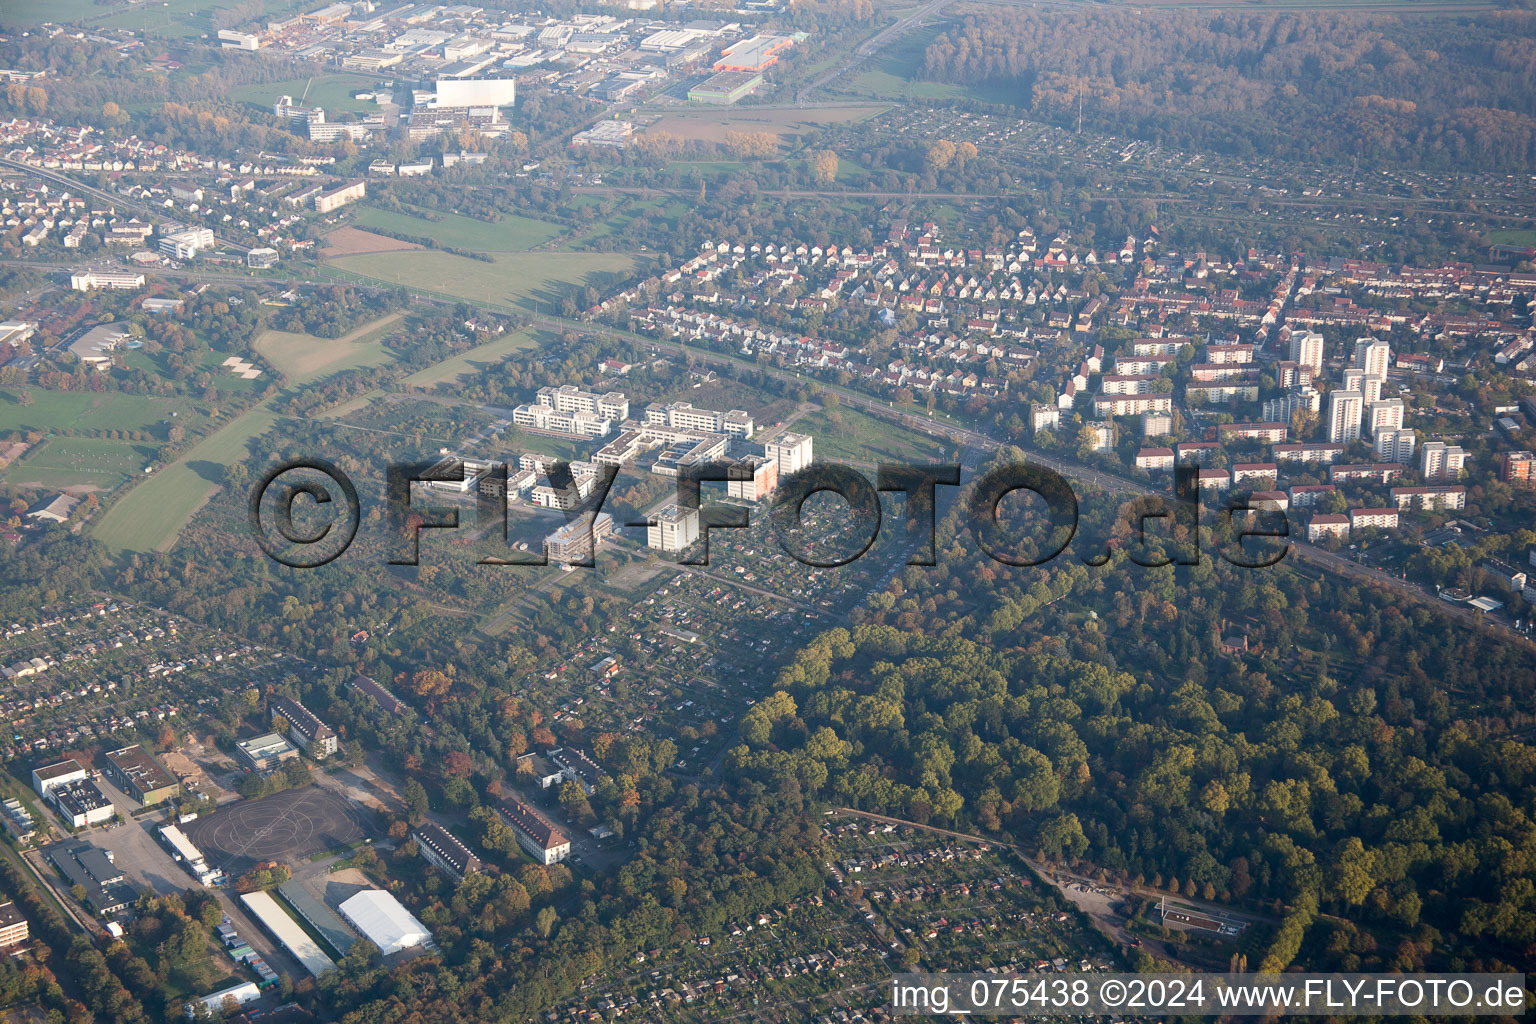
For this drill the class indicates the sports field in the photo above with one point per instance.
(329, 92)
(304, 357)
(467, 364)
(80, 464)
(510, 233)
(149, 517)
(536, 282)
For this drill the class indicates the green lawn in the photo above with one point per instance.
(847, 435)
(149, 517)
(509, 234)
(330, 91)
(60, 462)
(84, 410)
(304, 357)
(468, 364)
(1511, 237)
(184, 19)
(536, 282)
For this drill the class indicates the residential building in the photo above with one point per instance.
(1396, 445)
(1373, 356)
(1345, 409)
(445, 851)
(1307, 350)
(1440, 461)
(1155, 459)
(1386, 414)
(672, 528)
(340, 196)
(13, 927)
(535, 833)
(311, 735)
(1518, 468)
(1452, 498)
(1373, 518)
(578, 767)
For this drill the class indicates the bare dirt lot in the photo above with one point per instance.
(712, 125)
(352, 241)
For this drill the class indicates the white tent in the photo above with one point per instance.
(384, 922)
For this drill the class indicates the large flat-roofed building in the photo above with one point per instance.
(384, 921)
(682, 415)
(45, 777)
(725, 88)
(287, 932)
(94, 348)
(13, 927)
(611, 405)
(672, 528)
(762, 481)
(121, 280)
(313, 736)
(81, 803)
(136, 772)
(535, 833)
(106, 889)
(266, 752)
(792, 452)
(444, 851)
(754, 54)
(340, 196)
(474, 92)
(576, 542)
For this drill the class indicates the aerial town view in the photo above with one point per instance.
(767, 511)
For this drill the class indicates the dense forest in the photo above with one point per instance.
(1261, 737)
(1434, 92)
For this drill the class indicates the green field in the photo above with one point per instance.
(149, 517)
(79, 462)
(468, 364)
(847, 435)
(535, 282)
(509, 234)
(181, 19)
(330, 91)
(1512, 237)
(85, 410)
(305, 357)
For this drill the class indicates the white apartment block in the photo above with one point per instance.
(1452, 499)
(1440, 461)
(1307, 349)
(1386, 414)
(672, 528)
(570, 398)
(1373, 356)
(683, 416)
(578, 424)
(1344, 412)
(792, 452)
(1396, 445)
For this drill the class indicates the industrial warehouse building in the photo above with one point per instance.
(136, 772)
(725, 88)
(287, 931)
(383, 921)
